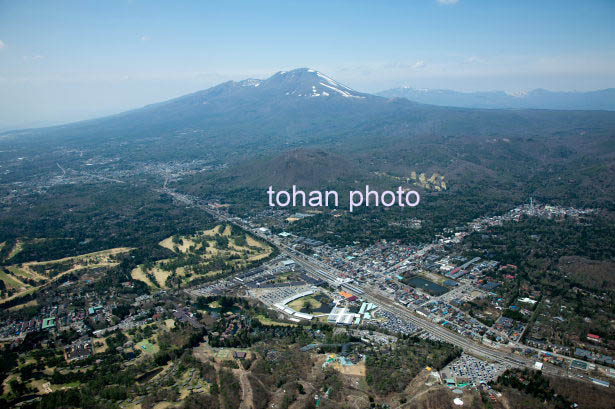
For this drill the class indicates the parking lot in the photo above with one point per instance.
(395, 324)
(272, 296)
(473, 370)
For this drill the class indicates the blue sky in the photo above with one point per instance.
(70, 60)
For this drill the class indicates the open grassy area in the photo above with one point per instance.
(24, 273)
(284, 277)
(267, 321)
(299, 303)
(212, 231)
(42, 386)
(28, 304)
(11, 282)
(219, 354)
(258, 244)
(147, 347)
(354, 370)
(16, 249)
(41, 270)
(183, 247)
(165, 405)
(138, 274)
(6, 385)
(160, 274)
(436, 278)
(100, 345)
(97, 258)
(216, 245)
(259, 256)
(19, 294)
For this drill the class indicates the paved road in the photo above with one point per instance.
(314, 266)
(468, 345)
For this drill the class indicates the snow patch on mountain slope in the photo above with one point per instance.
(341, 92)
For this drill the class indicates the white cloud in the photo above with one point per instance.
(145, 38)
(2, 45)
(447, 2)
(397, 66)
(474, 60)
(418, 65)
(32, 57)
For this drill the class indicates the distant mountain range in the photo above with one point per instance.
(536, 99)
(301, 106)
(302, 82)
(303, 126)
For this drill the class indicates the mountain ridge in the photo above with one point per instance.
(312, 85)
(289, 110)
(538, 98)
(256, 132)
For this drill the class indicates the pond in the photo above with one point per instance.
(428, 286)
(149, 375)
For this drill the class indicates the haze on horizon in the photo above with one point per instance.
(72, 60)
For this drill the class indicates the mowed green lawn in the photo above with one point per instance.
(147, 347)
(298, 304)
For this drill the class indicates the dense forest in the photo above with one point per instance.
(391, 370)
(73, 220)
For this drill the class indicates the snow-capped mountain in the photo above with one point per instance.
(285, 103)
(309, 83)
(290, 107)
(536, 99)
(301, 82)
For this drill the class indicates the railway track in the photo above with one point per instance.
(469, 346)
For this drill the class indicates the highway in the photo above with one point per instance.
(430, 327)
(315, 267)
(468, 345)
